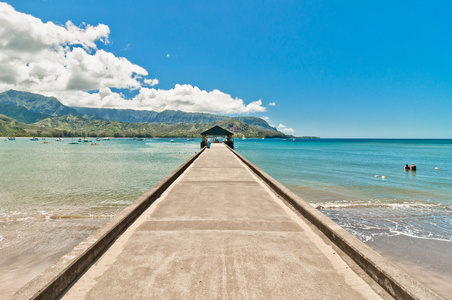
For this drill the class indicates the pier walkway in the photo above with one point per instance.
(220, 228)
(219, 233)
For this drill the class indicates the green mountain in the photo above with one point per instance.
(26, 114)
(36, 103)
(11, 127)
(256, 122)
(21, 114)
(167, 116)
(68, 125)
(145, 116)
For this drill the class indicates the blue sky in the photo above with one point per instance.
(332, 68)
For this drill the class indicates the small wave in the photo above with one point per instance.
(16, 217)
(368, 236)
(376, 204)
(431, 223)
(428, 237)
(368, 229)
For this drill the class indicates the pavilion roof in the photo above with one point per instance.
(216, 130)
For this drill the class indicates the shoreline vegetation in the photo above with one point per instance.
(68, 126)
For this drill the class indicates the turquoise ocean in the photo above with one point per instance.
(49, 179)
(361, 184)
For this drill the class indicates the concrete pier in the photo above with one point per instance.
(220, 231)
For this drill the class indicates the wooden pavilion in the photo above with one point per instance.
(216, 132)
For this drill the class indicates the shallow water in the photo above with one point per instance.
(60, 180)
(50, 180)
(344, 178)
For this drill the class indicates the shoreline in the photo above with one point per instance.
(427, 261)
(29, 248)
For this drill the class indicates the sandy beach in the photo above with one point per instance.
(27, 249)
(428, 261)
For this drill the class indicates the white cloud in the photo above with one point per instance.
(151, 82)
(22, 33)
(64, 61)
(42, 57)
(181, 97)
(272, 104)
(190, 98)
(168, 55)
(265, 118)
(285, 129)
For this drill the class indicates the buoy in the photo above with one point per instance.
(383, 177)
(436, 168)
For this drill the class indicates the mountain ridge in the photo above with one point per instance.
(68, 126)
(21, 114)
(42, 106)
(166, 116)
(36, 103)
(26, 114)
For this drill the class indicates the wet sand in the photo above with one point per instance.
(428, 261)
(28, 248)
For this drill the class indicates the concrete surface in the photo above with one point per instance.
(219, 232)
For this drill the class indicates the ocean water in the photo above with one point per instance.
(344, 179)
(57, 180)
